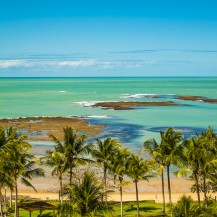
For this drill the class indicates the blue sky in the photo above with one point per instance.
(108, 38)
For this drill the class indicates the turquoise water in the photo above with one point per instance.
(24, 97)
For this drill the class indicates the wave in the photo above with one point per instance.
(90, 116)
(147, 95)
(62, 91)
(88, 103)
(97, 116)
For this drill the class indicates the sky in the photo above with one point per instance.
(84, 38)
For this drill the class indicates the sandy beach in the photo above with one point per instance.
(48, 190)
(48, 187)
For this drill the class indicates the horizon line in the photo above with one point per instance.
(166, 76)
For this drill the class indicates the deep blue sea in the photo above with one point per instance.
(27, 97)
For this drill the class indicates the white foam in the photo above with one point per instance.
(97, 116)
(88, 103)
(90, 116)
(145, 95)
(62, 91)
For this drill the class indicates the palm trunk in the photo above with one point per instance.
(5, 197)
(137, 197)
(16, 199)
(61, 189)
(197, 186)
(1, 212)
(70, 175)
(163, 194)
(70, 196)
(169, 189)
(105, 183)
(121, 198)
(204, 189)
(11, 196)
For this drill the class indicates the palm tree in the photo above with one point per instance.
(87, 196)
(172, 151)
(103, 153)
(5, 177)
(3, 141)
(119, 169)
(6, 135)
(56, 160)
(154, 149)
(22, 165)
(74, 149)
(193, 153)
(200, 160)
(209, 165)
(139, 169)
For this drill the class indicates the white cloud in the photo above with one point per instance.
(102, 64)
(14, 63)
(76, 63)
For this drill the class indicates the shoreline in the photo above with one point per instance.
(48, 187)
(157, 197)
(127, 196)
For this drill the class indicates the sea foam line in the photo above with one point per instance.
(90, 116)
(146, 95)
(90, 103)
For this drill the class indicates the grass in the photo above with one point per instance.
(146, 209)
(24, 213)
(130, 209)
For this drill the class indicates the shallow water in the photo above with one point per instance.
(24, 97)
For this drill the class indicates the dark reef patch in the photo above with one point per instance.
(186, 131)
(125, 132)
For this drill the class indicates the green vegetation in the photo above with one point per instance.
(85, 193)
(16, 163)
(186, 207)
(147, 209)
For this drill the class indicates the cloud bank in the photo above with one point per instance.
(81, 63)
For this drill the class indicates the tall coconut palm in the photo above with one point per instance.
(5, 177)
(3, 141)
(56, 160)
(193, 153)
(200, 153)
(22, 165)
(209, 165)
(74, 149)
(87, 196)
(172, 151)
(119, 169)
(6, 135)
(139, 169)
(103, 153)
(154, 149)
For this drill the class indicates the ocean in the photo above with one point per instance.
(27, 97)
